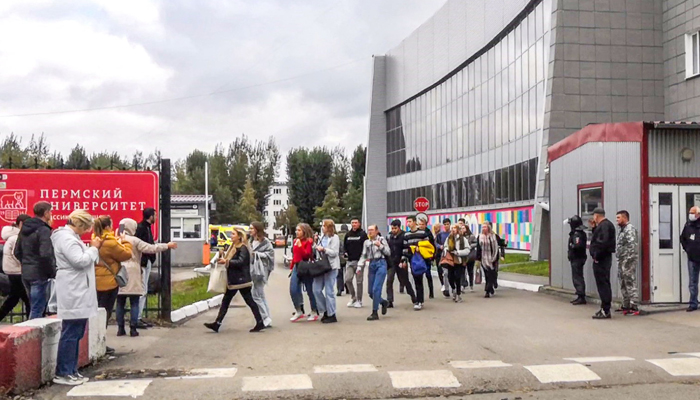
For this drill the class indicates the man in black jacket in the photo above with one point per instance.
(690, 240)
(395, 268)
(144, 231)
(577, 258)
(353, 249)
(412, 238)
(34, 250)
(602, 248)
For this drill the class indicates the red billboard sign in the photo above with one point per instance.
(421, 204)
(119, 194)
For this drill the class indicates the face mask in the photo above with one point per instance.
(693, 217)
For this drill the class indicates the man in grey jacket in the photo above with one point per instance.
(375, 252)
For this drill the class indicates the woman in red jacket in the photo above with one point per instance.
(302, 250)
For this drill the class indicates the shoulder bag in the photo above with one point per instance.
(122, 276)
(313, 268)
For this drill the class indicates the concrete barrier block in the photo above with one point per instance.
(177, 315)
(97, 335)
(20, 352)
(50, 336)
(202, 306)
(190, 310)
(215, 301)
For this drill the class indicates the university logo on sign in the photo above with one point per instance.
(12, 204)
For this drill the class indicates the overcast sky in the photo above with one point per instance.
(73, 55)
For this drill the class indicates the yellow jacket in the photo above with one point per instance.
(426, 249)
(112, 253)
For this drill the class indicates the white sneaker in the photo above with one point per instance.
(442, 288)
(351, 303)
(313, 318)
(418, 306)
(82, 378)
(471, 288)
(296, 317)
(267, 322)
(358, 304)
(68, 380)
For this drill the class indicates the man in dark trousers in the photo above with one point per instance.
(34, 250)
(690, 240)
(602, 248)
(577, 257)
(144, 231)
(353, 242)
(414, 236)
(395, 268)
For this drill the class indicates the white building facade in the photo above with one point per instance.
(278, 200)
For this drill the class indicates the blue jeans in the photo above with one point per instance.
(377, 276)
(295, 291)
(38, 298)
(146, 275)
(693, 273)
(134, 310)
(326, 301)
(72, 331)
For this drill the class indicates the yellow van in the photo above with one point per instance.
(222, 233)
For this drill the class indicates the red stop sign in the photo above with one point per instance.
(421, 204)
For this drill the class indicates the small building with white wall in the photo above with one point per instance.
(189, 228)
(277, 200)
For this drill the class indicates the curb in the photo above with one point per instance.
(529, 287)
(194, 309)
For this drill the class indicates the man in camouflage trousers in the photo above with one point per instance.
(627, 258)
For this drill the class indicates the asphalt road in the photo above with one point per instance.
(525, 337)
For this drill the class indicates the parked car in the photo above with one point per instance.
(280, 241)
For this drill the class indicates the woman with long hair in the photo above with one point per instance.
(113, 252)
(264, 254)
(302, 250)
(458, 247)
(13, 269)
(76, 297)
(329, 244)
(488, 253)
(239, 280)
(466, 232)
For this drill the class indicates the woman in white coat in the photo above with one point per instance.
(76, 292)
(330, 246)
(134, 288)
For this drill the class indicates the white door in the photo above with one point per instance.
(669, 264)
(665, 249)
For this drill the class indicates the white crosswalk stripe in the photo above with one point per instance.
(337, 369)
(274, 383)
(124, 388)
(590, 360)
(679, 366)
(556, 373)
(691, 354)
(423, 379)
(472, 364)
(208, 373)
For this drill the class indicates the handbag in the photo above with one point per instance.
(313, 268)
(418, 264)
(472, 255)
(257, 269)
(122, 276)
(218, 279)
(477, 275)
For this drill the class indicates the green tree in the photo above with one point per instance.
(308, 178)
(359, 159)
(55, 161)
(78, 158)
(237, 165)
(287, 218)
(353, 203)
(246, 210)
(339, 175)
(138, 163)
(105, 161)
(262, 169)
(12, 155)
(330, 208)
(37, 152)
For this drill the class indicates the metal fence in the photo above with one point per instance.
(159, 297)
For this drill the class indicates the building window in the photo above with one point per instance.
(590, 197)
(265, 213)
(665, 220)
(277, 191)
(692, 55)
(278, 202)
(276, 213)
(186, 228)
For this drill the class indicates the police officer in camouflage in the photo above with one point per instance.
(627, 258)
(577, 257)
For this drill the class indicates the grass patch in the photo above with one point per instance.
(185, 293)
(537, 268)
(515, 258)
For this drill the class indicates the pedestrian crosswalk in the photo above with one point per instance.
(570, 370)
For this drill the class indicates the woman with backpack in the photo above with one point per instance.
(262, 264)
(238, 276)
(488, 252)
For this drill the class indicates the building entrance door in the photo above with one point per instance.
(669, 264)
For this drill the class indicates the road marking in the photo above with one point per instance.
(423, 379)
(562, 373)
(277, 382)
(679, 366)
(130, 388)
(691, 354)
(337, 369)
(587, 360)
(478, 364)
(208, 373)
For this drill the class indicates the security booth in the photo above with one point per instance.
(650, 169)
(189, 228)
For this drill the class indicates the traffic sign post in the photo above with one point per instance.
(421, 204)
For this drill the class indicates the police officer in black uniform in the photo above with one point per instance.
(577, 258)
(601, 249)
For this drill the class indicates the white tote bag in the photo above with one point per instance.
(218, 280)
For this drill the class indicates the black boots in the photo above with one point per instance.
(121, 331)
(373, 317)
(214, 326)
(330, 320)
(385, 305)
(579, 301)
(133, 332)
(258, 327)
